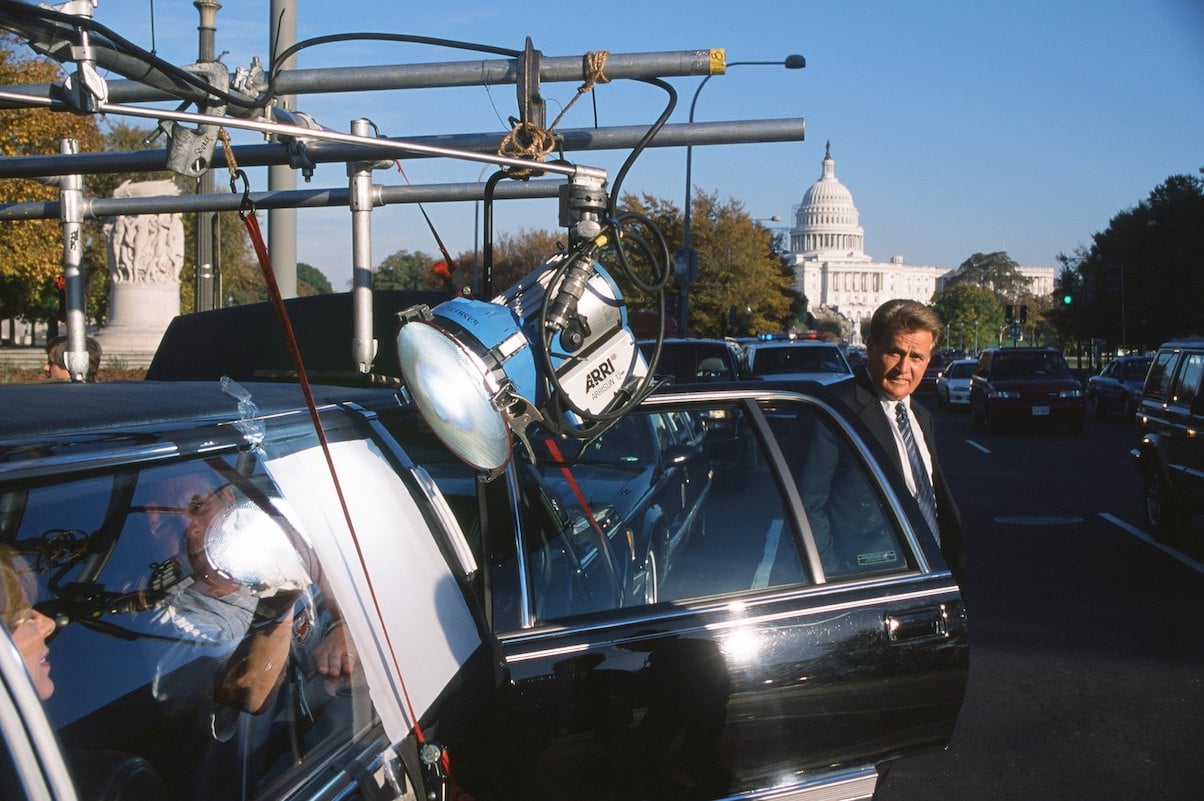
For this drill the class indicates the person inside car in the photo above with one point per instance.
(29, 628)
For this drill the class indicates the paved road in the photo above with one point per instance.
(1087, 660)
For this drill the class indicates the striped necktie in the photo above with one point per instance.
(924, 493)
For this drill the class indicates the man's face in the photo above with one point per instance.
(897, 363)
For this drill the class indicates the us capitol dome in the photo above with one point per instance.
(839, 278)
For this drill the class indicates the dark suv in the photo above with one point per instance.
(1170, 455)
(1015, 385)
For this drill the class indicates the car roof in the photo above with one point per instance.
(1184, 342)
(793, 343)
(31, 411)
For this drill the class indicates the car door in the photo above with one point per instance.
(1184, 416)
(204, 581)
(798, 644)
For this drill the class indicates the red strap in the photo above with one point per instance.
(269, 277)
(572, 480)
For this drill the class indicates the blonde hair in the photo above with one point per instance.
(17, 586)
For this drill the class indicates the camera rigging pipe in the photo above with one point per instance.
(363, 346)
(71, 213)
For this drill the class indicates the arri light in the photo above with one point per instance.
(555, 348)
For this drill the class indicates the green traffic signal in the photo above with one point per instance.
(1066, 299)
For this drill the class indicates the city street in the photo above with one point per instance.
(1087, 663)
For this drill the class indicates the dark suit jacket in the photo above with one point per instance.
(861, 399)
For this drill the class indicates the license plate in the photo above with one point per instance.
(1040, 411)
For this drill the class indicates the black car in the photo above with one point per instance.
(1170, 457)
(471, 604)
(1025, 386)
(936, 364)
(639, 489)
(1117, 388)
(246, 609)
(690, 361)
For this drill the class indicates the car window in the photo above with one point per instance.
(1158, 382)
(601, 536)
(1027, 363)
(1188, 385)
(193, 620)
(961, 370)
(688, 362)
(1136, 369)
(801, 359)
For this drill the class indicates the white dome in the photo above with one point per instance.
(828, 222)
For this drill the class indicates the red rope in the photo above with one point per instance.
(269, 277)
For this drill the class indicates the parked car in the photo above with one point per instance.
(689, 361)
(798, 360)
(1170, 454)
(645, 478)
(953, 383)
(1025, 385)
(935, 365)
(1117, 388)
(190, 545)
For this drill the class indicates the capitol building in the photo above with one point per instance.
(840, 279)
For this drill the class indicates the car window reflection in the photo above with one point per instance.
(195, 642)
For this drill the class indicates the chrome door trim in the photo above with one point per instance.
(741, 611)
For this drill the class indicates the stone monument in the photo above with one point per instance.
(145, 254)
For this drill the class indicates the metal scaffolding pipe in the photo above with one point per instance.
(363, 346)
(99, 208)
(483, 72)
(71, 216)
(619, 137)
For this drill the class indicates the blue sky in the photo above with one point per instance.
(958, 126)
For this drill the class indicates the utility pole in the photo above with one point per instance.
(282, 223)
(206, 269)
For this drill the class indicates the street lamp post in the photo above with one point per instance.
(687, 260)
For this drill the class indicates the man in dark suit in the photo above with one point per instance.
(903, 336)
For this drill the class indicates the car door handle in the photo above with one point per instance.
(917, 624)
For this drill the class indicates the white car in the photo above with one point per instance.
(798, 360)
(953, 383)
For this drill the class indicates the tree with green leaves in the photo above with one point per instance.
(972, 315)
(31, 251)
(737, 267)
(994, 271)
(406, 270)
(312, 281)
(1140, 282)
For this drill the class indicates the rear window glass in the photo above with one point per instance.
(1158, 382)
(800, 359)
(1188, 385)
(178, 625)
(960, 370)
(1044, 363)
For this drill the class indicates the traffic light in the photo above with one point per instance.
(1010, 313)
(1067, 299)
(1024, 314)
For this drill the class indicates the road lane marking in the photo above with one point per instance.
(974, 444)
(1146, 538)
(761, 577)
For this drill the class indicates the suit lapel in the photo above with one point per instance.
(869, 409)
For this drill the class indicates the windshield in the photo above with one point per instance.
(1029, 363)
(961, 370)
(799, 359)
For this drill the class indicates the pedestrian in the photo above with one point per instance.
(903, 335)
(56, 359)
